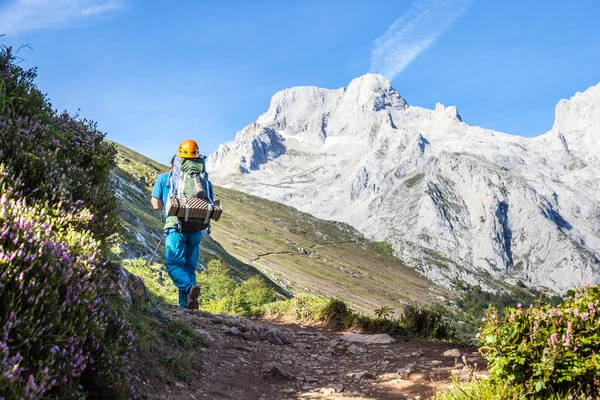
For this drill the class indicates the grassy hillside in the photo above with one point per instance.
(297, 251)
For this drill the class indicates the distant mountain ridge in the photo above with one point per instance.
(455, 201)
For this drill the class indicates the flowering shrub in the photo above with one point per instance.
(545, 347)
(55, 332)
(59, 158)
(57, 337)
(64, 161)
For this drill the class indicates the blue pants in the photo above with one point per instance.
(181, 258)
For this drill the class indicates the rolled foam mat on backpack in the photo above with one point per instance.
(196, 208)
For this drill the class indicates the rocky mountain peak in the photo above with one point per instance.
(371, 83)
(579, 112)
(375, 91)
(449, 112)
(307, 110)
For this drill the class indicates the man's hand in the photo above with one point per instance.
(157, 204)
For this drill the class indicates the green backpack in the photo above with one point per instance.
(188, 179)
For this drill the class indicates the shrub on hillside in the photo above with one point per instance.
(219, 293)
(59, 158)
(303, 307)
(546, 348)
(426, 322)
(55, 331)
(367, 324)
(19, 96)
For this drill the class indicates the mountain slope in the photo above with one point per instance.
(455, 201)
(297, 251)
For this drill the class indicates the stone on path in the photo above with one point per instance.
(381, 338)
(273, 371)
(205, 336)
(452, 353)
(354, 349)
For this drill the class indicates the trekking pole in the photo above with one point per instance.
(157, 247)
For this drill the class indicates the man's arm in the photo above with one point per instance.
(157, 194)
(157, 204)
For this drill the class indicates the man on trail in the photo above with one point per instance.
(181, 244)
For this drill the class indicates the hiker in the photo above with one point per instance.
(182, 238)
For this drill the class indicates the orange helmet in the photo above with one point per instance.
(188, 149)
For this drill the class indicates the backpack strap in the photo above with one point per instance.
(187, 210)
(180, 188)
(208, 211)
(168, 184)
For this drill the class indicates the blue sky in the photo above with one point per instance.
(152, 73)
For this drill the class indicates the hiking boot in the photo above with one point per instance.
(193, 297)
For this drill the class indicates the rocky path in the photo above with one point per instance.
(247, 359)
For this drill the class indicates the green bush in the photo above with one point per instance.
(546, 347)
(366, 324)
(19, 97)
(426, 322)
(310, 307)
(219, 293)
(255, 292)
(302, 307)
(335, 313)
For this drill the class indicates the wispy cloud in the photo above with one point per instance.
(413, 33)
(29, 15)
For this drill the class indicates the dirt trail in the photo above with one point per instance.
(247, 359)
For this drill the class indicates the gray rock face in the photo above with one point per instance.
(457, 202)
(128, 286)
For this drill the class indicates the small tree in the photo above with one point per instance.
(384, 312)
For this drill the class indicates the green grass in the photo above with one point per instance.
(167, 349)
(490, 390)
(413, 180)
(219, 291)
(159, 341)
(156, 279)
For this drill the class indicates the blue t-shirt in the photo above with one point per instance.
(161, 189)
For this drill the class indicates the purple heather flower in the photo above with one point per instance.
(585, 316)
